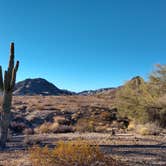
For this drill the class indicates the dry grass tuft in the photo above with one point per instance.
(71, 153)
(54, 127)
(44, 128)
(148, 129)
(84, 125)
(131, 126)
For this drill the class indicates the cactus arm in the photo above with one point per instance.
(17, 65)
(11, 61)
(5, 80)
(14, 75)
(10, 66)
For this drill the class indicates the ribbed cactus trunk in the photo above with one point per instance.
(7, 84)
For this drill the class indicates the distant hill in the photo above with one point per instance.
(110, 93)
(38, 86)
(94, 92)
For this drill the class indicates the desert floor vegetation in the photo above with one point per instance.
(125, 126)
(70, 153)
(126, 149)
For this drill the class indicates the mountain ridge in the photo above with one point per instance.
(40, 86)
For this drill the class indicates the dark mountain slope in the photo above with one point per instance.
(38, 86)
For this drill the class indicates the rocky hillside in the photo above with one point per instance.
(48, 113)
(38, 86)
(59, 114)
(94, 92)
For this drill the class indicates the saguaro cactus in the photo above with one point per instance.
(7, 84)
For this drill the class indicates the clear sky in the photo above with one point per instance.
(84, 44)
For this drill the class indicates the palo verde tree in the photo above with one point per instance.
(7, 83)
(133, 98)
(157, 80)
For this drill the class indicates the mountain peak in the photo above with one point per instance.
(38, 86)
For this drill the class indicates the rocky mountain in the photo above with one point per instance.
(94, 92)
(38, 86)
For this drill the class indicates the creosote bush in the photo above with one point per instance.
(32, 140)
(44, 128)
(85, 125)
(17, 127)
(131, 126)
(54, 127)
(28, 131)
(71, 153)
(148, 129)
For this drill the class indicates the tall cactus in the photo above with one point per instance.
(7, 84)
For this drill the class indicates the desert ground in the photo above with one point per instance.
(31, 112)
(130, 149)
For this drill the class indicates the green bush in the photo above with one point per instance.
(142, 101)
(132, 100)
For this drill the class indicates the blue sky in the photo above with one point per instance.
(84, 44)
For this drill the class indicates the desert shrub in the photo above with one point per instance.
(17, 127)
(53, 128)
(157, 112)
(157, 80)
(148, 129)
(143, 130)
(31, 140)
(132, 100)
(144, 102)
(101, 128)
(39, 107)
(162, 121)
(131, 126)
(64, 129)
(28, 131)
(60, 119)
(162, 101)
(123, 122)
(85, 125)
(107, 116)
(70, 153)
(57, 128)
(157, 115)
(44, 128)
(157, 83)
